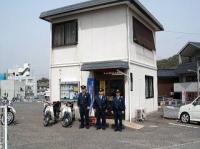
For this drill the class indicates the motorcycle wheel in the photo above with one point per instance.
(46, 121)
(66, 120)
(10, 118)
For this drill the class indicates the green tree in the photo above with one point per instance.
(168, 63)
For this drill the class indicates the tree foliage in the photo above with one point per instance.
(168, 63)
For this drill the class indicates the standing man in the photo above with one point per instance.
(118, 108)
(100, 106)
(84, 102)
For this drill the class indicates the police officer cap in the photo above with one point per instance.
(83, 87)
(117, 91)
(101, 90)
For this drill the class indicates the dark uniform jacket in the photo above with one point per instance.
(118, 104)
(100, 104)
(84, 101)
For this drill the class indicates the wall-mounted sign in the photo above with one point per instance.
(114, 73)
(69, 90)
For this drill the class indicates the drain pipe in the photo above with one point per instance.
(129, 61)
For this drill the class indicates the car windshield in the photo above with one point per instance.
(197, 101)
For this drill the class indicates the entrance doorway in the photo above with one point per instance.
(110, 81)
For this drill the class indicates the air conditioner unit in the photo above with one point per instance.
(140, 115)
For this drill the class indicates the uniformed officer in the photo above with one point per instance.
(84, 102)
(118, 108)
(100, 106)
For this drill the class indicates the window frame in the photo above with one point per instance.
(142, 42)
(149, 87)
(64, 39)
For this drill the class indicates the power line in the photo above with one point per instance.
(178, 32)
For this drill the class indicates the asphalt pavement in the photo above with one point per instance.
(28, 132)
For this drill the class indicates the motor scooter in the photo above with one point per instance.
(58, 111)
(11, 112)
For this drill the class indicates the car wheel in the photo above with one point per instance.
(185, 118)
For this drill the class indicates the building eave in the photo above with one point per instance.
(97, 4)
(189, 46)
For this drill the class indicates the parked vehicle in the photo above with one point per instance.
(67, 113)
(161, 100)
(190, 112)
(58, 111)
(11, 112)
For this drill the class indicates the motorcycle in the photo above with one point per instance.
(58, 111)
(67, 114)
(11, 112)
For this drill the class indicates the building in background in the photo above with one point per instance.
(42, 86)
(19, 72)
(166, 80)
(187, 70)
(182, 81)
(105, 44)
(2, 76)
(12, 89)
(22, 76)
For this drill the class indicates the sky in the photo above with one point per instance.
(26, 38)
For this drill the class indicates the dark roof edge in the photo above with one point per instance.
(138, 5)
(51, 13)
(188, 43)
(147, 14)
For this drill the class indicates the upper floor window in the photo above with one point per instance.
(142, 35)
(149, 90)
(64, 34)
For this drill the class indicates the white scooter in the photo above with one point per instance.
(56, 111)
(11, 112)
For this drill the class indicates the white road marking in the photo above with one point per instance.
(179, 145)
(182, 125)
(153, 126)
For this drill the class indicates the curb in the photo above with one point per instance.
(126, 124)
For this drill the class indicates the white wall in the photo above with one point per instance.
(138, 99)
(140, 54)
(101, 37)
(66, 74)
(187, 87)
(143, 62)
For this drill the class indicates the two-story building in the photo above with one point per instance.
(188, 72)
(108, 44)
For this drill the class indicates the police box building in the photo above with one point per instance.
(107, 44)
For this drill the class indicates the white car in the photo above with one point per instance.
(190, 112)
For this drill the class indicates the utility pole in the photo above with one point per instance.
(198, 76)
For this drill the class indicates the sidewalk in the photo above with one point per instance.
(127, 124)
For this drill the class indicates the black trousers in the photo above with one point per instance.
(84, 114)
(101, 119)
(118, 119)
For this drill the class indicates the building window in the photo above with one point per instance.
(142, 35)
(131, 78)
(149, 90)
(64, 34)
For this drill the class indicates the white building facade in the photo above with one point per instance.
(12, 89)
(112, 45)
(23, 76)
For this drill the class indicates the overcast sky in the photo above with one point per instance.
(26, 38)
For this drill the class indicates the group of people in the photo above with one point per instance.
(100, 107)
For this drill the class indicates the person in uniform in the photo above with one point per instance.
(118, 106)
(100, 106)
(84, 102)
